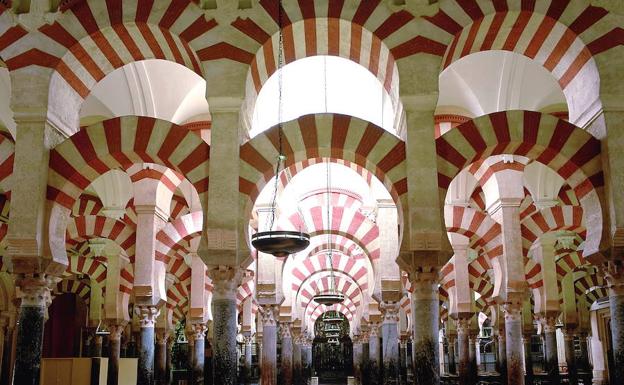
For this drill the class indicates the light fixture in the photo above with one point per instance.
(276, 242)
(100, 330)
(332, 296)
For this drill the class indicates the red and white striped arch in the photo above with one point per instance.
(119, 143)
(178, 302)
(550, 219)
(80, 229)
(294, 169)
(7, 154)
(316, 136)
(483, 232)
(591, 286)
(81, 289)
(355, 269)
(169, 239)
(87, 204)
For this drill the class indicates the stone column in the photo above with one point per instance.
(502, 356)
(198, 335)
(268, 370)
(286, 366)
(568, 337)
(226, 282)
(374, 353)
(357, 358)
(451, 353)
(97, 347)
(583, 363)
(390, 338)
(307, 358)
(426, 321)
(161, 373)
(297, 366)
(248, 340)
(551, 360)
(513, 340)
(463, 347)
(472, 357)
(116, 331)
(615, 281)
(147, 320)
(528, 359)
(403, 358)
(34, 301)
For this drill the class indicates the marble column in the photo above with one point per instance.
(308, 358)
(33, 304)
(197, 365)
(463, 347)
(248, 340)
(225, 282)
(390, 339)
(502, 356)
(373, 354)
(297, 366)
(357, 358)
(451, 354)
(426, 319)
(513, 340)
(528, 359)
(268, 369)
(568, 337)
(114, 352)
(615, 281)
(161, 373)
(97, 347)
(583, 362)
(472, 357)
(403, 359)
(286, 364)
(551, 360)
(147, 320)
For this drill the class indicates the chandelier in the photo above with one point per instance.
(332, 296)
(279, 243)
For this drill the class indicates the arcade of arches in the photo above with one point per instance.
(456, 163)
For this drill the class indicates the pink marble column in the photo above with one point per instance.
(268, 370)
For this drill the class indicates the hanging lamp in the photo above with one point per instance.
(279, 243)
(332, 296)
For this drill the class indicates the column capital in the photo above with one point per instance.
(285, 329)
(424, 282)
(198, 331)
(613, 272)
(147, 315)
(116, 329)
(270, 314)
(463, 325)
(548, 322)
(35, 290)
(389, 312)
(225, 280)
(513, 306)
(373, 329)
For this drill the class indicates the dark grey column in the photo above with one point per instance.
(472, 354)
(390, 339)
(426, 320)
(97, 348)
(307, 358)
(568, 337)
(528, 359)
(403, 358)
(451, 354)
(296, 361)
(199, 337)
(502, 356)
(374, 353)
(114, 352)
(36, 295)
(615, 280)
(268, 369)
(226, 282)
(286, 366)
(147, 319)
(463, 347)
(550, 348)
(357, 358)
(583, 363)
(160, 364)
(513, 338)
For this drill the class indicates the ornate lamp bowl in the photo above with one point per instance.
(329, 299)
(280, 243)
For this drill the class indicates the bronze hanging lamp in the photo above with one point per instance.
(279, 243)
(332, 296)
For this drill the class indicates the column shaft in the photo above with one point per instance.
(297, 369)
(403, 361)
(146, 356)
(616, 303)
(570, 358)
(451, 354)
(514, 346)
(373, 355)
(463, 347)
(30, 331)
(357, 359)
(268, 371)
(426, 317)
(472, 354)
(528, 359)
(286, 367)
(390, 338)
(502, 356)
(550, 350)
(114, 353)
(160, 365)
(247, 360)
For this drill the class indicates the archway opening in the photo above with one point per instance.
(332, 348)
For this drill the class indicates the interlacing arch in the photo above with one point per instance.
(82, 228)
(82, 158)
(303, 270)
(591, 286)
(325, 136)
(571, 152)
